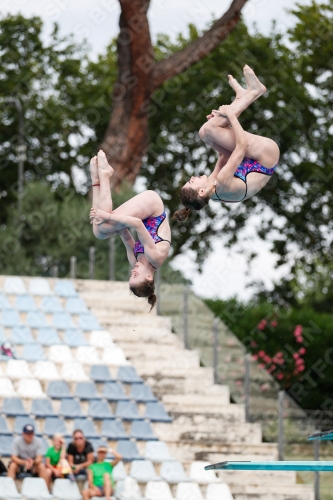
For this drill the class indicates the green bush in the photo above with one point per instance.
(294, 345)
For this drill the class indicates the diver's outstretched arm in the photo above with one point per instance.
(129, 242)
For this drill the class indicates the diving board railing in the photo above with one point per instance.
(313, 466)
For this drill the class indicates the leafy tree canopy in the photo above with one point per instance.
(67, 103)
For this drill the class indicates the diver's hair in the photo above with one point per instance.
(192, 201)
(145, 289)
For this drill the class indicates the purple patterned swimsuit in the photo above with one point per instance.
(248, 165)
(151, 224)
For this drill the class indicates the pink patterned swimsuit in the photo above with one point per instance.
(247, 166)
(151, 224)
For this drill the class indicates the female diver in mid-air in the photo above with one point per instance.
(144, 213)
(240, 154)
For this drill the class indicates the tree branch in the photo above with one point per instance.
(197, 50)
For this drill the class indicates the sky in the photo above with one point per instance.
(225, 273)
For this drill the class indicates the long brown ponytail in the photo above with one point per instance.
(145, 289)
(192, 201)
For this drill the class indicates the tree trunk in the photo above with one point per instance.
(126, 139)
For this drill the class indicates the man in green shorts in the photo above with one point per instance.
(100, 481)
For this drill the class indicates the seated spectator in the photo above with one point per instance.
(27, 455)
(100, 480)
(80, 453)
(7, 349)
(56, 462)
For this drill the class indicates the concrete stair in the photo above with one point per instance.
(205, 425)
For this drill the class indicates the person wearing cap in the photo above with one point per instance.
(100, 480)
(27, 455)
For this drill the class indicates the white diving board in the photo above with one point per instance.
(285, 466)
(321, 436)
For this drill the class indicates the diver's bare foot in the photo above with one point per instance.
(236, 86)
(98, 216)
(94, 170)
(254, 84)
(103, 165)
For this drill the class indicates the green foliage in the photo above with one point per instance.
(55, 227)
(48, 81)
(67, 103)
(264, 327)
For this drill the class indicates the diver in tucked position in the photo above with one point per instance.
(145, 213)
(246, 161)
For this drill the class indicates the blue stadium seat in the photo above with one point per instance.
(33, 352)
(65, 288)
(155, 412)
(13, 407)
(113, 430)
(127, 410)
(142, 393)
(51, 305)
(143, 471)
(100, 373)
(45, 445)
(36, 319)
(25, 303)
(6, 445)
(48, 336)
(58, 390)
(128, 375)
(70, 408)
(86, 426)
(88, 322)
(4, 302)
(42, 408)
(3, 427)
(142, 431)
(20, 422)
(99, 410)
(128, 450)
(21, 335)
(55, 425)
(86, 390)
(75, 305)
(62, 321)
(10, 318)
(96, 442)
(74, 337)
(112, 391)
(2, 335)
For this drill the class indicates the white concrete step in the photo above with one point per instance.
(160, 369)
(257, 478)
(188, 451)
(220, 434)
(128, 334)
(275, 491)
(148, 350)
(191, 402)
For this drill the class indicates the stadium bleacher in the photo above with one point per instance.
(68, 373)
(71, 371)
